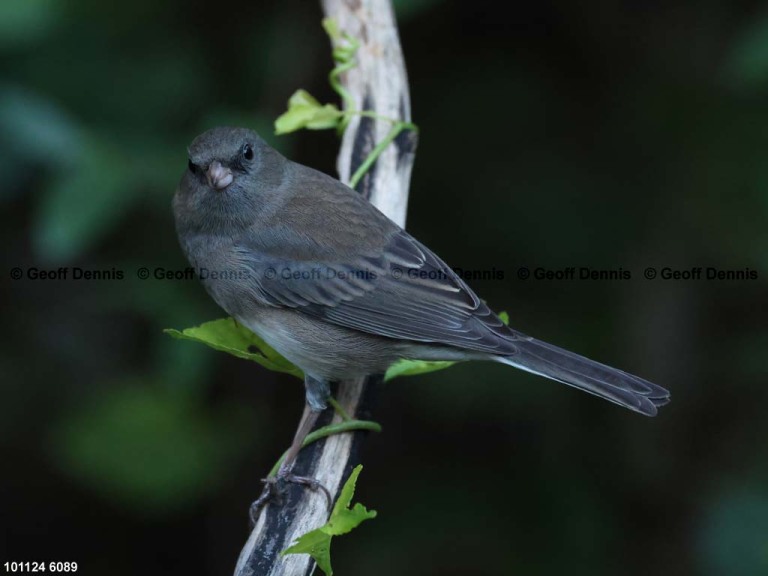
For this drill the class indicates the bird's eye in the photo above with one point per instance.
(192, 166)
(248, 152)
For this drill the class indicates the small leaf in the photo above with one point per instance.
(344, 520)
(504, 317)
(226, 335)
(317, 543)
(331, 28)
(303, 98)
(304, 111)
(414, 367)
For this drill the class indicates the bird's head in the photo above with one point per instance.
(227, 169)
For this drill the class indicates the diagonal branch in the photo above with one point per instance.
(377, 83)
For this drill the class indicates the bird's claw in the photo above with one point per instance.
(274, 488)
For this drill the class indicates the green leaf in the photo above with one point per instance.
(226, 335)
(343, 519)
(304, 111)
(317, 543)
(331, 28)
(504, 317)
(414, 367)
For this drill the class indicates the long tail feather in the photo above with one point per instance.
(610, 383)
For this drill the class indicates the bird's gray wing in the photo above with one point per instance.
(413, 295)
(399, 289)
(330, 254)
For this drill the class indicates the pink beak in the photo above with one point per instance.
(218, 176)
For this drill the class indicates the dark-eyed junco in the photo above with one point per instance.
(338, 288)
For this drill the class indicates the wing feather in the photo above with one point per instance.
(406, 292)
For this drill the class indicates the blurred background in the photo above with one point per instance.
(553, 134)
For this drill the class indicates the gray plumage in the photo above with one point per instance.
(338, 288)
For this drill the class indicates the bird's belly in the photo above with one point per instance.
(321, 349)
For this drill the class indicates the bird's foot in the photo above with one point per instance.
(274, 490)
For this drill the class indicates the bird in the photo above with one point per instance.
(339, 289)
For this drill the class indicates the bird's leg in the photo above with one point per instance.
(308, 420)
(318, 393)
